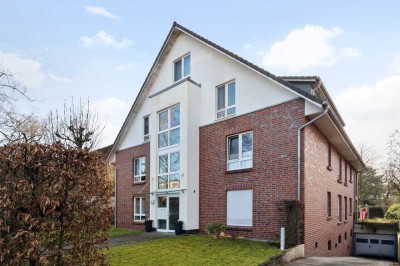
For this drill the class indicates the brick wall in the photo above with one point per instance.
(126, 189)
(318, 180)
(273, 177)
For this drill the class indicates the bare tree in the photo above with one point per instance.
(77, 126)
(370, 182)
(20, 128)
(392, 165)
(10, 89)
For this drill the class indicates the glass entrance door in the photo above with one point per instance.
(167, 212)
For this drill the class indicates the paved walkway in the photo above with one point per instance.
(136, 238)
(340, 261)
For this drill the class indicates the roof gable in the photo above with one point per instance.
(173, 34)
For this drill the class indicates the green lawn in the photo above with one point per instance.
(121, 232)
(192, 250)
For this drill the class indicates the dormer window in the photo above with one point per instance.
(182, 68)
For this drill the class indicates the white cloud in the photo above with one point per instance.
(395, 66)
(351, 52)
(372, 112)
(126, 66)
(26, 71)
(303, 48)
(97, 10)
(247, 46)
(112, 112)
(60, 79)
(102, 38)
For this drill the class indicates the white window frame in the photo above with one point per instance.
(141, 212)
(240, 159)
(182, 58)
(169, 128)
(168, 173)
(146, 137)
(225, 109)
(139, 178)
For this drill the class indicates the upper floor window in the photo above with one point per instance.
(146, 129)
(240, 151)
(329, 207)
(139, 166)
(340, 170)
(329, 157)
(339, 208)
(351, 175)
(226, 100)
(182, 68)
(169, 170)
(169, 127)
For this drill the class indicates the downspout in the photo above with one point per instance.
(326, 109)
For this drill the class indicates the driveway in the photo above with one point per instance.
(136, 238)
(340, 261)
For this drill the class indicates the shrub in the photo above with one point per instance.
(393, 212)
(54, 206)
(215, 229)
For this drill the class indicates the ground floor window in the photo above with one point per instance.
(240, 207)
(138, 209)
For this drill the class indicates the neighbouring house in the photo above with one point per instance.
(212, 137)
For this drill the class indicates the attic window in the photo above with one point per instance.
(182, 68)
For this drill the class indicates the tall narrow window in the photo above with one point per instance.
(139, 209)
(345, 208)
(329, 207)
(345, 173)
(351, 175)
(169, 170)
(329, 157)
(146, 129)
(340, 170)
(240, 151)
(169, 127)
(139, 166)
(182, 68)
(329, 244)
(226, 100)
(339, 208)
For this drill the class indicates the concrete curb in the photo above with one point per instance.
(287, 255)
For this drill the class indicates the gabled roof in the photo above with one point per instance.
(249, 64)
(171, 37)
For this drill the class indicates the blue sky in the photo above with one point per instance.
(104, 49)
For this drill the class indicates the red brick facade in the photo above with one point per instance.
(126, 189)
(273, 177)
(318, 181)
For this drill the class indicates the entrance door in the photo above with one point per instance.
(167, 213)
